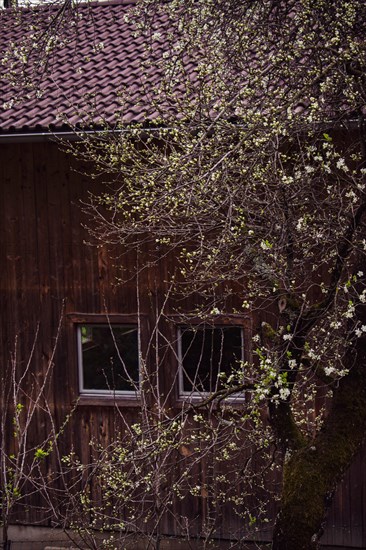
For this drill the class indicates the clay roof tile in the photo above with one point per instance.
(85, 72)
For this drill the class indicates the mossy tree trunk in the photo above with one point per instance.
(313, 471)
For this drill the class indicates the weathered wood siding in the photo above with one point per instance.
(48, 273)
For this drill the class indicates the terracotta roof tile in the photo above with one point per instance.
(103, 56)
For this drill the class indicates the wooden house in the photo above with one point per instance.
(60, 300)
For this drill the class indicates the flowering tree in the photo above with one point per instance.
(253, 175)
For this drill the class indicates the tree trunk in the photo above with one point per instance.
(311, 474)
(303, 504)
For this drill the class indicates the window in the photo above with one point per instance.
(108, 359)
(207, 356)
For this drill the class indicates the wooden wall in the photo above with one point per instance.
(48, 274)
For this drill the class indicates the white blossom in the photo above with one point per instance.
(329, 370)
(284, 393)
(360, 331)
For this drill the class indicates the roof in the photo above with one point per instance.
(72, 65)
(96, 70)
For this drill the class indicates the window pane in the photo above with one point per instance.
(109, 357)
(206, 352)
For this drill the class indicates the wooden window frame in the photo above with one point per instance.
(244, 322)
(106, 397)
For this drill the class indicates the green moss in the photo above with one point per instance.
(312, 472)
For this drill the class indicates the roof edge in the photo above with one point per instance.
(82, 3)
